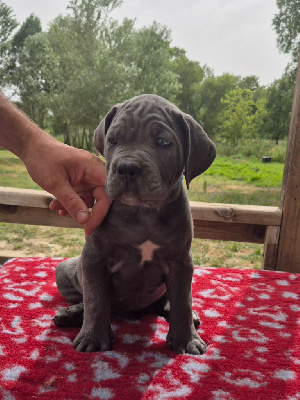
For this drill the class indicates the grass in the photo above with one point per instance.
(249, 171)
(13, 172)
(237, 181)
(234, 179)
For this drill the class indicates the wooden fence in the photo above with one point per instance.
(253, 224)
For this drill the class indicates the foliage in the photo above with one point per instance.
(279, 105)
(287, 26)
(31, 77)
(7, 25)
(237, 116)
(30, 27)
(67, 78)
(212, 91)
(191, 76)
(7, 22)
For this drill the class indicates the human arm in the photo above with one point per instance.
(75, 177)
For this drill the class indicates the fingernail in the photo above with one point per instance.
(82, 216)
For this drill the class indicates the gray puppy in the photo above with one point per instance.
(140, 255)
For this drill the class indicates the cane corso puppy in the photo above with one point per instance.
(140, 255)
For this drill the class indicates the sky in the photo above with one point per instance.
(229, 36)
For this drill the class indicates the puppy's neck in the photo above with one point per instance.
(179, 182)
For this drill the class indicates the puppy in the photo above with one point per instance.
(140, 255)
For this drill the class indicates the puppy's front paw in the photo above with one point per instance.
(88, 342)
(196, 346)
(193, 345)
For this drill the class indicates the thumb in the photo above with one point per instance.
(72, 203)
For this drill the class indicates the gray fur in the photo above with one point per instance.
(141, 251)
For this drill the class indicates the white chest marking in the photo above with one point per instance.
(147, 249)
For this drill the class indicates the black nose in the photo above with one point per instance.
(128, 170)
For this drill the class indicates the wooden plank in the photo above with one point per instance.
(35, 216)
(9, 254)
(271, 247)
(229, 232)
(203, 229)
(288, 257)
(25, 197)
(247, 214)
(4, 258)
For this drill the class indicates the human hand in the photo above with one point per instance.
(75, 177)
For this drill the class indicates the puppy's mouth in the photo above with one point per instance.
(136, 192)
(135, 201)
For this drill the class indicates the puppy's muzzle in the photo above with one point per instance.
(128, 170)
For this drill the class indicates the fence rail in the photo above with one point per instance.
(228, 222)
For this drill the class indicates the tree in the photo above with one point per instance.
(212, 91)
(145, 57)
(237, 116)
(7, 25)
(151, 59)
(249, 82)
(279, 106)
(7, 22)
(31, 77)
(87, 80)
(287, 26)
(190, 76)
(30, 27)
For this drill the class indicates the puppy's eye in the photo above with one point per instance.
(112, 141)
(162, 142)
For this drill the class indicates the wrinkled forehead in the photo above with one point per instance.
(139, 117)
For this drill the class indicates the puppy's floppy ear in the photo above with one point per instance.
(102, 128)
(198, 150)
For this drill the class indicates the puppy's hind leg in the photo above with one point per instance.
(162, 308)
(69, 287)
(69, 316)
(67, 282)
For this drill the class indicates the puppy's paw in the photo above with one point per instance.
(193, 345)
(88, 342)
(196, 319)
(69, 316)
(196, 346)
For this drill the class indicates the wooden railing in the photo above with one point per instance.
(229, 222)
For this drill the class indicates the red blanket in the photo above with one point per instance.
(250, 320)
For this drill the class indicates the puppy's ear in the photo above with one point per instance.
(102, 128)
(198, 150)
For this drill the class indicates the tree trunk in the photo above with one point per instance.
(66, 134)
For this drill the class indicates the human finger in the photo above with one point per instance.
(87, 196)
(99, 210)
(71, 203)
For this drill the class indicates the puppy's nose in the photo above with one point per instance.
(128, 169)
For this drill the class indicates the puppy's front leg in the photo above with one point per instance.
(95, 334)
(182, 333)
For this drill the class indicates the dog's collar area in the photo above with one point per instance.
(179, 182)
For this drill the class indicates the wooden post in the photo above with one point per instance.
(288, 257)
(270, 247)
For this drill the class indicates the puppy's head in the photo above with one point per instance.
(148, 144)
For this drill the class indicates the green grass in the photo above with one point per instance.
(248, 171)
(13, 172)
